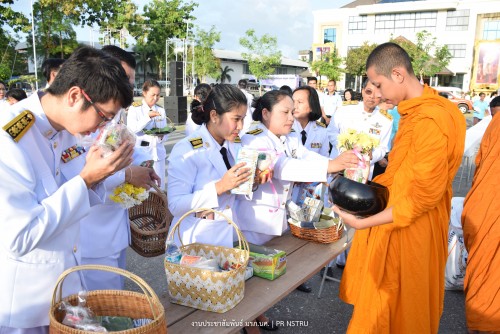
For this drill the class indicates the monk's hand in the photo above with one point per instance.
(348, 218)
(235, 176)
(383, 162)
(347, 159)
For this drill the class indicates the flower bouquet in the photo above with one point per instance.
(128, 195)
(362, 144)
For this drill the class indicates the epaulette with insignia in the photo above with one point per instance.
(136, 104)
(71, 153)
(348, 103)
(254, 132)
(323, 125)
(237, 139)
(196, 142)
(386, 114)
(17, 127)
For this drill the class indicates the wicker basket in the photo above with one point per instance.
(149, 224)
(205, 289)
(111, 303)
(322, 236)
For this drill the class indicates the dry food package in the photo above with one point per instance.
(250, 156)
(112, 135)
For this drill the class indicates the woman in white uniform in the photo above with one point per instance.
(262, 216)
(199, 176)
(307, 112)
(146, 116)
(200, 95)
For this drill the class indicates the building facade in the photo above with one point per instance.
(470, 29)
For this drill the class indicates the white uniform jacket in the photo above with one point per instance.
(332, 103)
(42, 200)
(138, 120)
(191, 126)
(194, 166)
(377, 123)
(264, 211)
(316, 137)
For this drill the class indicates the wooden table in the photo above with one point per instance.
(304, 259)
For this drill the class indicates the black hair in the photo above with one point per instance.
(495, 102)
(222, 98)
(201, 91)
(312, 79)
(287, 89)
(120, 54)
(314, 104)
(385, 57)
(16, 93)
(242, 84)
(51, 64)
(100, 75)
(4, 85)
(267, 101)
(150, 83)
(349, 90)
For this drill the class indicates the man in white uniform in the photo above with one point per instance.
(247, 122)
(332, 101)
(48, 185)
(363, 117)
(105, 232)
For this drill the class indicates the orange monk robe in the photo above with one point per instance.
(394, 274)
(481, 225)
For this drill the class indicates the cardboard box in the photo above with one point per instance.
(267, 262)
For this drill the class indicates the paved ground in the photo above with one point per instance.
(318, 315)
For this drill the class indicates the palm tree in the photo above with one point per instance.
(224, 74)
(145, 60)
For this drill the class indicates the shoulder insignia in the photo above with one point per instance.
(71, 153)
(196, 142)
(18, 126)
(293, 130)
(254, 132)
(386, 114)
(348, 103)
(136, 104)
(237, 139)
(323, 125)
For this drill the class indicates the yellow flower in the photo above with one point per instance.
(353, 139)
(128, 195)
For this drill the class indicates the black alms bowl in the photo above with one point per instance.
(357, 198)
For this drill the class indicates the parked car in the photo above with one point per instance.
(463, 105)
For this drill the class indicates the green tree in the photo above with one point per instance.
(427, 57)
(15, 20)
(355, 62)
(262, 56)
(124, 21)
(329, 65)
(205, 63)
(166, 19)
(4, 72)
(145, 59)
(224, 74)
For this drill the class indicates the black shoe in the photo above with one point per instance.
(329, 272)
(270, 326)
(304, 287)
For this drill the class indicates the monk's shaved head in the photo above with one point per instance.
(385, 57)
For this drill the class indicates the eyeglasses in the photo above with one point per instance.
(97, 110)
(368, 91)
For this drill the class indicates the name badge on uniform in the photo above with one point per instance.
(316, 145)
(374, 131)
(71, 153)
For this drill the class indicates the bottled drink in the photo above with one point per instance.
(172, 252)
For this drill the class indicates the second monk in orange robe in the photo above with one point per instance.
(394, 275)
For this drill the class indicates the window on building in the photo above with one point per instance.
(357, 24)
(246, 69)
(457, 50)
(491, 30)
(406, 22)
(330, 35)
(457, 19)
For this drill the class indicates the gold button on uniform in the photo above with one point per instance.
(75, 249)
(57, 171)
(227, 207)
(55, 144)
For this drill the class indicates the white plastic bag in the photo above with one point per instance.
(457, 254)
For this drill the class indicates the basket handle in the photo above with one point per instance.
(242, 242)
(162, 196)
(146, 289)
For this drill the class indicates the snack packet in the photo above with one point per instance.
(112, 135)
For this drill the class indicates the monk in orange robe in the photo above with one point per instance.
(394, 275)
(481, 225)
